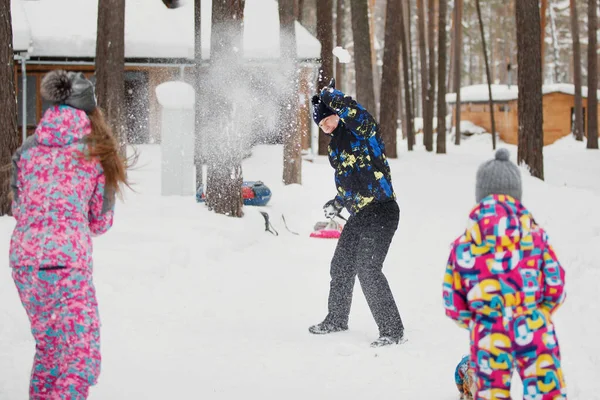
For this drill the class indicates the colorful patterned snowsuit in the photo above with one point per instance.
(503, 282)
(59, 203)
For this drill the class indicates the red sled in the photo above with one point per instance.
(327, 230)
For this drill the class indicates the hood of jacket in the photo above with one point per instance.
(500, 222)
(61, 126)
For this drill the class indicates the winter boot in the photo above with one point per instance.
(326, 327)
(388, 340)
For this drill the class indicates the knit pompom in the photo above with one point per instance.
(502, 155)
(56, 86)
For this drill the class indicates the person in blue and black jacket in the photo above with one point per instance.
(364, 188)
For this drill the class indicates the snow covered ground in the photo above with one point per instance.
(196, 305)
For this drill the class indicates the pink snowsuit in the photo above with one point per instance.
(59, 203)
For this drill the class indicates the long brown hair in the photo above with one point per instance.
(103, 145)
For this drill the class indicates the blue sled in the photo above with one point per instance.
(254, 193)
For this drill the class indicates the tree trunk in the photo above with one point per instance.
(199, 92)
(413, 80)
(401, 109)
(423, 57)
(487, 73)
(555, 44)
(442, 62)
(543, 9)
(405, 46)
(339, 40)
(226, 146)
(292, 146)
(110, 66)
(9, 136)
(458, 5)
(299, 10)
(325, 36)
(578, 123)
(428, 125)
(531, 135)
(365, 94)
(390, 80)
(450, 79)
(592, 103)
(375, 68)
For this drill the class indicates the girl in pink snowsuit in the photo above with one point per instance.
(64, 182)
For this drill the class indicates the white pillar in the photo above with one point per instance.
(177, 138)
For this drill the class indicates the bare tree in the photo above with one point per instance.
(529, 59)
(198, 92)
(405, 47)
(325, 36)
(390, 78)
(300, 8)
(110, 65)
(592, 103)
(339, 40)
(365, 93)
(555, 44)
(413, 80)
(423, 71)
(224, 150)
(9, 137)
(487, 73)
(578, 123)
(428, 125)
(458, 5)
(543, 12)
(442, 62)
(292, 146)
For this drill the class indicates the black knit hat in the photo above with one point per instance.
(320, 110)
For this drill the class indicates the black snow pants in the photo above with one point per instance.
(361, 250)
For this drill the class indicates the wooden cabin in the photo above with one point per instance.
(558, 103)
(159, 46)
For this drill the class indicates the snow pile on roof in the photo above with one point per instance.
(479, 93)
(176, 95)
(152, 30)
(21, 34)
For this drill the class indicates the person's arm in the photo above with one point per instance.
(102, 206)
(354, 116)
(29, 143)
(455, 296)
(553, 276)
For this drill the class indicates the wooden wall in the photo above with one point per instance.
(557, 117)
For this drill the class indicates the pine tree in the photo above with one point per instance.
(9, 136)
(292, 146)
(529, 59)
(390, 80)
(110, 66)
(592, 103)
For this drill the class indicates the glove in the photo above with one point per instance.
(332, 208)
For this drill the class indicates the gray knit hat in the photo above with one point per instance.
(498, 176)
(70, 88)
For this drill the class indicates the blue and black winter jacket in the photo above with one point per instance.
(356, 151)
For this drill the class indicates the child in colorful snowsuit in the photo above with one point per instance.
(64, 182)
(503, 282)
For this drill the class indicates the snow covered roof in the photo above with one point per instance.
(479, 93)
(21, 32)
(151, 29)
